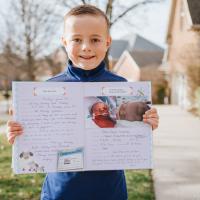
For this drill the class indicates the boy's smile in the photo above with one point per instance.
(86, 40)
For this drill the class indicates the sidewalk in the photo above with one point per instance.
(176, 171)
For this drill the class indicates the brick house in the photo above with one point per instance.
(127, 67)
(138, 59)
(183, 47)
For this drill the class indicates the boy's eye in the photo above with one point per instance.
(76, 40)
(94, 40)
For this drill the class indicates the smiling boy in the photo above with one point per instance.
(86, 39)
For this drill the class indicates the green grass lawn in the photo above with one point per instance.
(140, 185)
(2, 122)
(28, 187)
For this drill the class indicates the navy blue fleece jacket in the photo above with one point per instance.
(89, 185)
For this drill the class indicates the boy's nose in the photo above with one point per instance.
(86, 46)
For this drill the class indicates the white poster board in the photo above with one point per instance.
(81, 126)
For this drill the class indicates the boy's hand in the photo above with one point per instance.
(13, 129)
(151, 117)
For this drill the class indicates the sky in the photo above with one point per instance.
(149, 21)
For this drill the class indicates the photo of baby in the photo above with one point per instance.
(113, 111)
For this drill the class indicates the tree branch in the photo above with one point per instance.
(134, 6)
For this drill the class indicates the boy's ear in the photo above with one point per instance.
(109, 41)
(64, 41)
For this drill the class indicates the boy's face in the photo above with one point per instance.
(86, 40)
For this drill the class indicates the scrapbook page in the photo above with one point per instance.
(81, 126)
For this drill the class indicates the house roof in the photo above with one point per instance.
(194, 9)
(139, 43)
(145, 52)
(132, 42)
(145, 58)
(117, 48)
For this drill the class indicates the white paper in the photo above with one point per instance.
(59, 117)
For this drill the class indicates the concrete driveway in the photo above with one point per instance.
(176, 171)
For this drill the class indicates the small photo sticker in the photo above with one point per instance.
(70, 159)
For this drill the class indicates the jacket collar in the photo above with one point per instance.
(81, 74)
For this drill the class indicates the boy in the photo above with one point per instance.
(86, 39)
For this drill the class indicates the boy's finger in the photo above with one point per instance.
(11, 139)
(12, 135)
(15, 133)
(14, 128)
(152, 122)
(151, 111)
(10, 123)
(155, 115)
(13, 123)
(10, 111)
(154, 126)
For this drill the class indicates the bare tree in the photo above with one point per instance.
(10, 63)
(30, 31)
(32, 25)
(114, 9)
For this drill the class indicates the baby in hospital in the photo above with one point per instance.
(130, 111)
